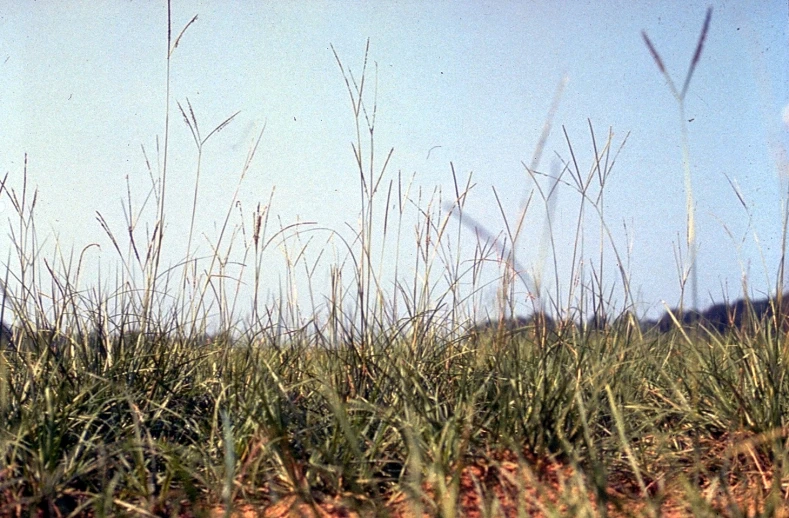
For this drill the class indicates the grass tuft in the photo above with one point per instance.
(399, 393)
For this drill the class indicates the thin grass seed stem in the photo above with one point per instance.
(690, 206)
(680, 97)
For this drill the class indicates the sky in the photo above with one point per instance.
(83, 92)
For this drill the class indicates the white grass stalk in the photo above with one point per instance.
(690, 204)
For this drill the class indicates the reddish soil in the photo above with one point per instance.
(510, 488)
(506, 485)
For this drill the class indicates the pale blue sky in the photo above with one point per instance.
(82, 88)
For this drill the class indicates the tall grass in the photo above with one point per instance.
(389, 398)
(690, 204)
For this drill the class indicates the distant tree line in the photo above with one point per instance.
(740, 314)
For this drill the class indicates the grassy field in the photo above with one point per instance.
(132, 401)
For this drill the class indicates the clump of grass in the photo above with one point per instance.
(119, 401)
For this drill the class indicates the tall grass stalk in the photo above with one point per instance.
(690, 204)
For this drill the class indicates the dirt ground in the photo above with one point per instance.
(539, 487)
